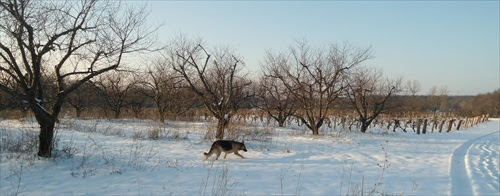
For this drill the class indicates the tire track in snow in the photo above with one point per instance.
(460, 171)
(484, 159)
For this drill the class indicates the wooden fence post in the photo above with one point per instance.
(343, 122)
(419, 122)
(424, 129)
(441, 125)
(450, 124)
(335, 123)
(434, 124)
(459, 123)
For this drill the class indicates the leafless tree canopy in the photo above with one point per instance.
(115, 89)
(214, 76)
(437, 99)
(314, 76)
(275, 99)
(167, 89)
(68, 40)
(368, 91)
(80, 103)
(412, 89)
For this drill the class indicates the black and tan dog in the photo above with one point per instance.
(227, 147)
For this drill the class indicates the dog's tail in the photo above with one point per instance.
(209, 152)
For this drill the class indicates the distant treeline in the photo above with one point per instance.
(96, 100)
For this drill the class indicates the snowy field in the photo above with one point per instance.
(118, 157)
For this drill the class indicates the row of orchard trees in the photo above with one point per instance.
(73, 52)
(114, 92)
(303, 81)
(314, 78)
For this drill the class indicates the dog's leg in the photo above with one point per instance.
(218, 154)
(238, 154)
(225, 155)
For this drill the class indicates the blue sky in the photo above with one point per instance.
(446, 43)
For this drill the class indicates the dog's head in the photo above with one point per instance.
(243, 147)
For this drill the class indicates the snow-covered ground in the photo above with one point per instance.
(117, 157)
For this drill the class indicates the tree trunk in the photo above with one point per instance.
(364, 127)
(78, 111)
(46, 122)
(161, 112)
(281, 119)
(137, 113)
(46, 134)
(117, 114)
(311, 125)
(281, 122)
(221, 124)
(315, 127)
(315, 130)
(24, 112)
(162, 117)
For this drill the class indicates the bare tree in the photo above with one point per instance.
(82, 98)
(275, 99)
(369, 93)
(5, 98)
(314, 77)
(412, 89)
(443, 99)
(214, 77)
(433, 100)
(136, 98)
(437, 99)
(114, 90)
(165, 88)
(77, 40)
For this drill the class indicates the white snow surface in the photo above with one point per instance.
(116, 157)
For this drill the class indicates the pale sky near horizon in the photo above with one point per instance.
(446, 43)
